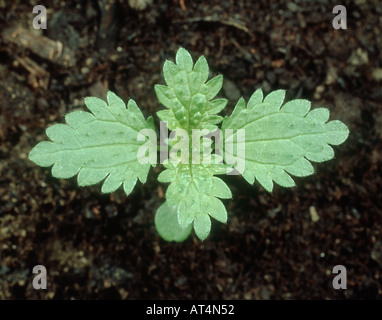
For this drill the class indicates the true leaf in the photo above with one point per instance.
(280, 140)
(194, 191)
(187, 95)
(97, 145)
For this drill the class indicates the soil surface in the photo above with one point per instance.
(282, 245)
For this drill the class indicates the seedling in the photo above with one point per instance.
(264, 140)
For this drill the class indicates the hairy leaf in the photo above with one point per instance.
(280, 140)
(194, 191)
(188, 96)
(97, 145)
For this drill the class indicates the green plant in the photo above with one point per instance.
(266, 139)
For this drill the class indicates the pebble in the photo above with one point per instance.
(89, 61)
(331, 75)
(140, 4)
(358, 57)
(319, 90)
(293, 7)
(376, 74)
(313, 214)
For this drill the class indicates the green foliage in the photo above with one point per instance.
(167, 225)
(98, 145)
(187, 95)
(194, 191)
(280, 140)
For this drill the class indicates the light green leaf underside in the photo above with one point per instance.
(188, 96)
(167, 225)
(280, 140)
(195, 191)
(98, 145)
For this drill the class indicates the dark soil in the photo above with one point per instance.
(98, 246)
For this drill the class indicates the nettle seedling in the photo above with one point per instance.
(264, 140)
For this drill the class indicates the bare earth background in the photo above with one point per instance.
(273, 247)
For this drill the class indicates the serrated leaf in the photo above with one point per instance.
(280, 140)
(195, 191)
(98, 145)
(187, 95)
(188, 98)
(167, 225)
